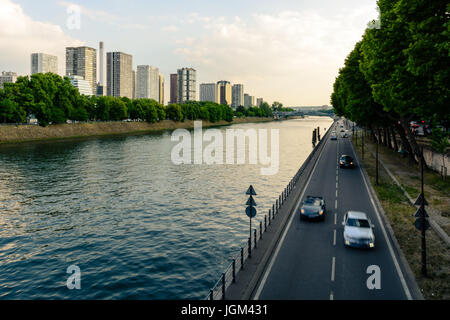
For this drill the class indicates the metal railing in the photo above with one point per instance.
(218, 291)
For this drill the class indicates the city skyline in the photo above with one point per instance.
(286, 51)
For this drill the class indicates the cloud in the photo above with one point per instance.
(290, 55)
(20, 36)
(171, 28)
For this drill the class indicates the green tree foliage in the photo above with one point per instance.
(173, 112)
(398, 72)
(54, 100)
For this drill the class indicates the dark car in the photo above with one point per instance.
(313, 208)
(346, 162)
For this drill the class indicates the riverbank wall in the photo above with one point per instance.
(27, 133)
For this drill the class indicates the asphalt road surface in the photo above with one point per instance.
(311, 261)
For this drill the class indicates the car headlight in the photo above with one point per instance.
(321, 212)
(302, 211)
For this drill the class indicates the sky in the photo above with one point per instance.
(281, 50)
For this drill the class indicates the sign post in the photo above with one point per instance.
(251, 213)
(421, 222)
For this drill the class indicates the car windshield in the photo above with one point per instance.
(360, 223)
(312, 202)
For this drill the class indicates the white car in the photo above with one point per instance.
(358, 230)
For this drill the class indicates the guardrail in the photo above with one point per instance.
(218, 291)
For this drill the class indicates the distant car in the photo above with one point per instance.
(358, 230)
(333, 136)
(346, 162)
(313, 208)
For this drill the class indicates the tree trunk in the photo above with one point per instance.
(372, 134)
(405, 144)
(412, 140)
(385, 138)
(394, 138)
(380, 141)
(388, 138)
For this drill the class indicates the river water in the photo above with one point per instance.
(137, 225)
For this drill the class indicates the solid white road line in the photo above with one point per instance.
(280, 243)
(391, 250)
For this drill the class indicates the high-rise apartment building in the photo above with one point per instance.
(161, 89)
(208, 92)
(224, 89)
(187, 85)
(7, 77)
(119, 74)
(249, 101)
(173, 88)
(82, 61)
(237, 95)
(259, 102)
(147, 82)
(43, 63)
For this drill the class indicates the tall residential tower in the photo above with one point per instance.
(43, 63)
(147, 82)
(224, 89)
(187, 85)
(82, 61)
(119, 74)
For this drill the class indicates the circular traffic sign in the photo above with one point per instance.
(251, 212)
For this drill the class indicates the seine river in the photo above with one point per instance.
(137, 225)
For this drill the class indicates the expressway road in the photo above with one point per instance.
(311, 261)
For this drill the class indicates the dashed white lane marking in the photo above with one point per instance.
(333, 265)
(287, 228)
(335, 204)
(334, 237)
(335, 218)
(331, 295)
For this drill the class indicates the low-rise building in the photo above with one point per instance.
(81, 84)
(7, 77)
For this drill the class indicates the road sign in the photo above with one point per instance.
(251, 191)
(418, 224)
(251, 212)
(419, 213)
(419, 200)
(251, 202)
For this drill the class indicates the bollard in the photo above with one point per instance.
(255, 238)
(211, 295)
(223, 286)
(269, 217)
(242, 258)
(260, 229)
(273, 211)
(234, 270)
(249, 247)
(265, 222)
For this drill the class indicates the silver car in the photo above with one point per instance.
(358, 230)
